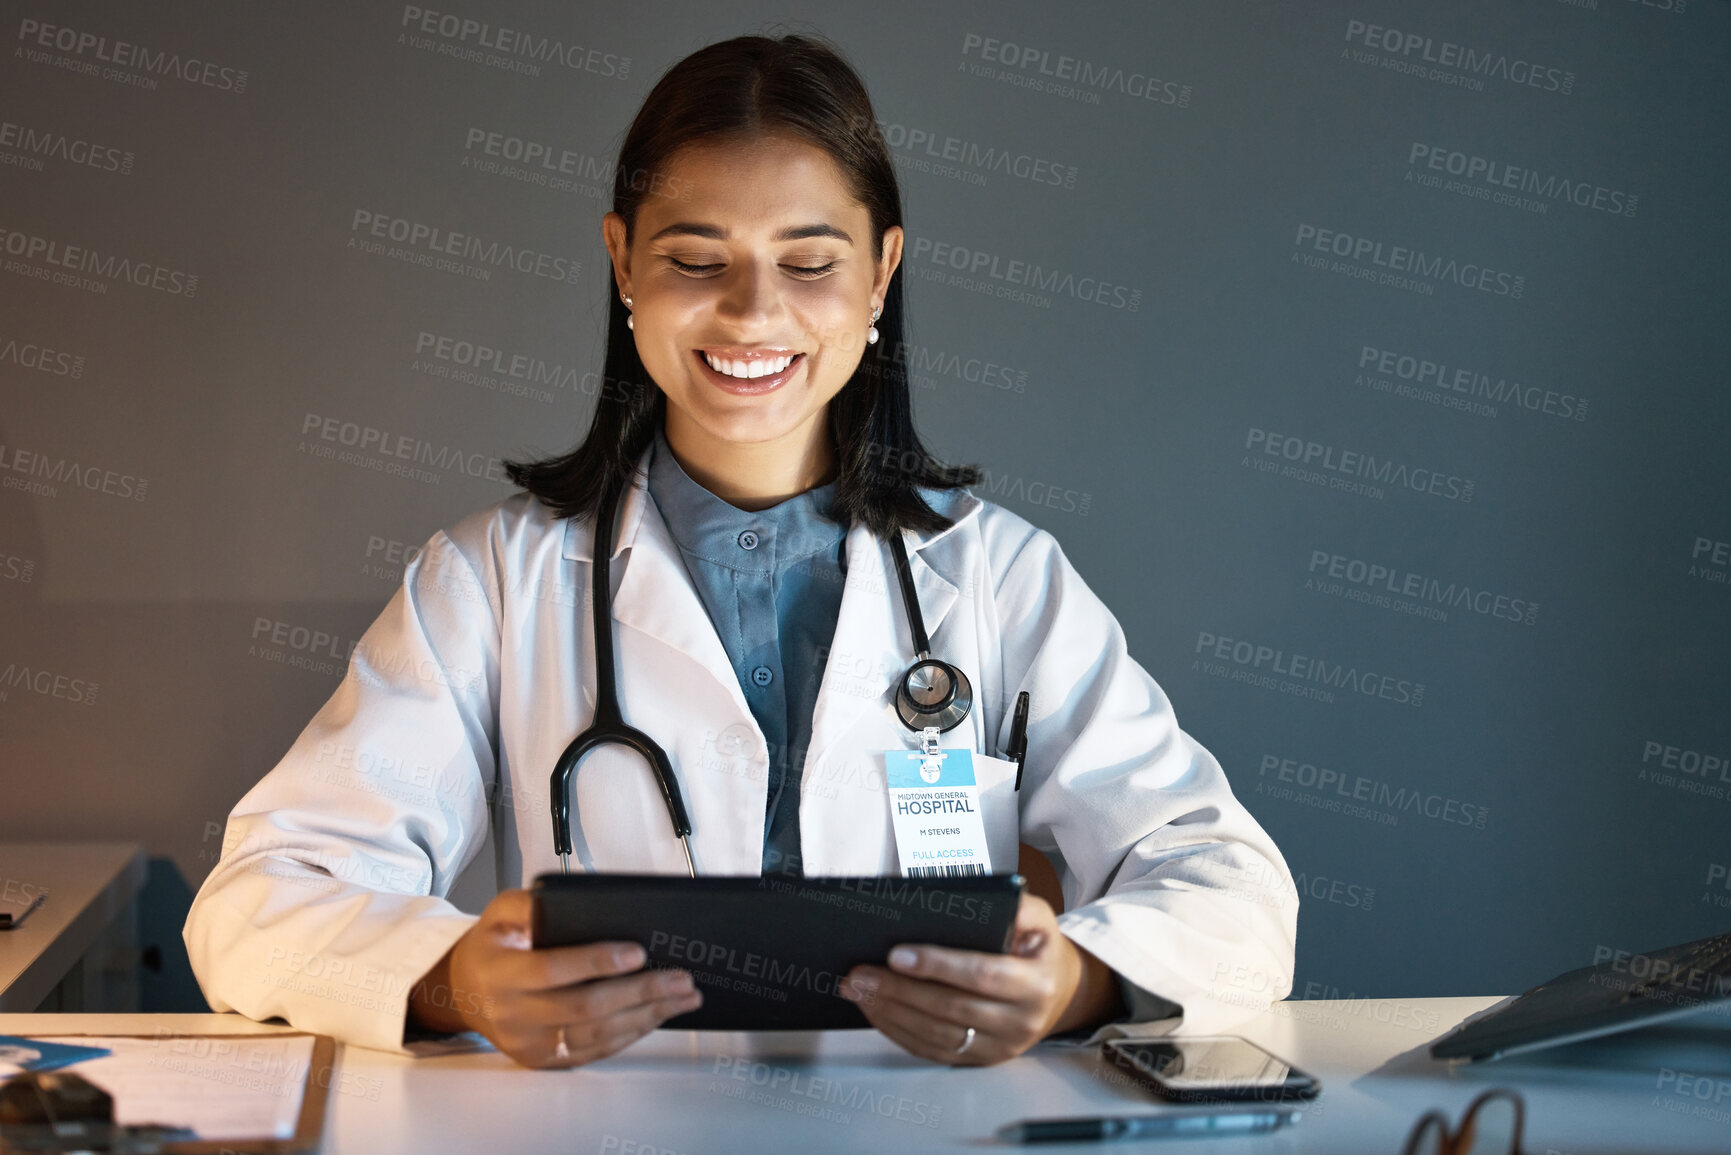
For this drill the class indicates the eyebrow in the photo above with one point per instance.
(711, 232)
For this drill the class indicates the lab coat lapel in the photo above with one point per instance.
(656, 597)
(655, 602)
(872, 647)
(652, 591)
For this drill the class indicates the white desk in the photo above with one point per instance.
(675, 1092)
(79, 949)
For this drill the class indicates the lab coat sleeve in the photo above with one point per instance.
(328, 901)
(1167, 878)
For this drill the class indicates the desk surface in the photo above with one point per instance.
(88, 884)
(701, 1093)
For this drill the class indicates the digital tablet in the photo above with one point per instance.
(768, 952)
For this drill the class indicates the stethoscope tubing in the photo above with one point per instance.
(608, 725)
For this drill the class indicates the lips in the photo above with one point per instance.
(748, 371)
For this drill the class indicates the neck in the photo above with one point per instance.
(753, 475)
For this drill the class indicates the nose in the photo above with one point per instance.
(750, 298)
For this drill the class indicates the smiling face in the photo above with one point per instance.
(753, 277)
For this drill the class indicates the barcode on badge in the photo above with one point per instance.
(957, 871)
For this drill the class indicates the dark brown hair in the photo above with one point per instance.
(741, 89)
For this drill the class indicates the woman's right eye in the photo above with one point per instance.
(687, 268)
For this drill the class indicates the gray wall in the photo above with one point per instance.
(1375, 378)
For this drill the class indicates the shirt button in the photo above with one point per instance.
(748, 539)
(763, 675)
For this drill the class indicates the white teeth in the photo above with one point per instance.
(746, 370)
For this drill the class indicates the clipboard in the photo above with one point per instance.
(769, 952)
(314, 1092)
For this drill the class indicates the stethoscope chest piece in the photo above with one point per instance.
(933, 693)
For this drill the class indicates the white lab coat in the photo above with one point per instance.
(329, 901)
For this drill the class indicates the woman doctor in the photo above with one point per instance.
(753, 439)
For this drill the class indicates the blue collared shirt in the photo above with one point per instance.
(771, 580)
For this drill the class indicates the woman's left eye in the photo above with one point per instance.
(810, 270)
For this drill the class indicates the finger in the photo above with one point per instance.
(598, 1039)
(1034, 913)
(509, 916)
(934, 1039)
(946, 1002)
(601, 998)
(1002, 977)
(561, 966)
(538, 1045)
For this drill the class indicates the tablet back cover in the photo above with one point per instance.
(768, 953)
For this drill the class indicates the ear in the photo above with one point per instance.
(618, 252)
(887, 261)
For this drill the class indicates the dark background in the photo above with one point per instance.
(173, 546)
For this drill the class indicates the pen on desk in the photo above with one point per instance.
(1019, 735)
(8, 920)
(1145, 1126)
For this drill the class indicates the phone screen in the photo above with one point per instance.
(1212, 1068)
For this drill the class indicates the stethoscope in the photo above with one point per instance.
(933, 697)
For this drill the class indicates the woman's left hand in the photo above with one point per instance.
(929, 996)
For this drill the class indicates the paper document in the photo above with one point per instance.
(220, 1086)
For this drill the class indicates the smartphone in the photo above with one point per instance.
(1219, 1068)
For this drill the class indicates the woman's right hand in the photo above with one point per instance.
(492, 982)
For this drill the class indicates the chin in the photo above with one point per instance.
(747, 428)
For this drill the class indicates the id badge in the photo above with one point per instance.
(935, 809)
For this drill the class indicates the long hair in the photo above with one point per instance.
(743, 88)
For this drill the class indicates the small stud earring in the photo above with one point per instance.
(872, 332)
